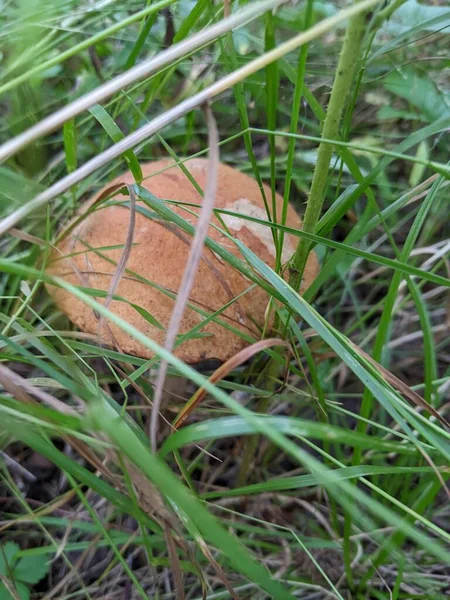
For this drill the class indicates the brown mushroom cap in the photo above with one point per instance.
(159, 255)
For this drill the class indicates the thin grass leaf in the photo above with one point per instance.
(282, 484)
(146, 27)
(272, 83)
(293, 126)
(191, 20)
(430, 359)
(70, 145)
(114, 132)
(299, 428)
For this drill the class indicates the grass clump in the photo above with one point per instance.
(316, 472)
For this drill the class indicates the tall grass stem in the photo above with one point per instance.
(343, 81)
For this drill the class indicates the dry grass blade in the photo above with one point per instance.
(16, 468)
(228, 366)
(121, 265)
(73, 572)
(403, 388)
(109, 191)
(415, 399)
(42, 511)
(22, 390)
(175, 566)
(26, 237)
(9, 587)
(193, 261)
(148, 496)
(217, 568)
(422, 189)
(178, 111)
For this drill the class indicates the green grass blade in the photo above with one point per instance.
(114, 132)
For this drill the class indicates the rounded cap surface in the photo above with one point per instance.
(89, 254)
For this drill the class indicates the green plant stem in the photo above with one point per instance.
(249, 448)
(345, 72)
(272, 87)
(386, 13)
(343, 82)
(250, 445)
(298, 93)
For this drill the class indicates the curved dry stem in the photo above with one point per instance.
(190, 271)
(121, 266)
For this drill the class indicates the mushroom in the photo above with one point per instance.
(92, 249)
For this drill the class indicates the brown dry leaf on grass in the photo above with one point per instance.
(415, 398)
(235, 361)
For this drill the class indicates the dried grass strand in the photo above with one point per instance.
(187, 281)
